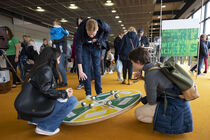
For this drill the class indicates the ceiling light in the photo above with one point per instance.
(88, 17)
(73, 6)
(63, 20)
(39, 9)
(117, 17)
(119, 21)
(114, 11)
(122, 25)
(109, 3)
(158, 16)
(163, 6)
(156, 24)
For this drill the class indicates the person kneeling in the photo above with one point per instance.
(176, 118)
(39, 102)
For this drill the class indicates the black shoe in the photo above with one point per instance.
(205, 72)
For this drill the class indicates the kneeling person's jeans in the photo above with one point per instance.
(61, 110)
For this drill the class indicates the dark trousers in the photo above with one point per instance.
(93, 53)
(102, 67)
(127, 66)
(199, 65)
(14, 64)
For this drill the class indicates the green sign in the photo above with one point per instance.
(179, 42)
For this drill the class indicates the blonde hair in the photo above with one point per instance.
(91, 25)
(57, 22)
(30, 39)
(132, 29)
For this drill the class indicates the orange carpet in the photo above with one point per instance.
(122, 127)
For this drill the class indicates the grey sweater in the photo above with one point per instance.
(154, 79)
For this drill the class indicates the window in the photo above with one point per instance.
(208, 10)
(201, 28)
(196, 15)
(207, 31)
(189, 17)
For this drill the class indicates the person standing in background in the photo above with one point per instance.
(59, 38)
(32, 43)
(22, 56)
(13, 53)
(129, 42)
(117, 44)
(44, 45)
(207, 43)
(203, 53)
(143, 40)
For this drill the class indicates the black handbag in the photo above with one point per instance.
(31, 102)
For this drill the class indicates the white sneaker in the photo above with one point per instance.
(191, 72)
(46, 133)
(120, 79)
(31, 123)
(88, 96)
(201, 74)
(111, 72)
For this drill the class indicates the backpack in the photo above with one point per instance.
(180, 78)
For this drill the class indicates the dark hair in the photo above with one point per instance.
(140, 55)
(44, 39)
(78, 19)
(10, 34)
(47, 57)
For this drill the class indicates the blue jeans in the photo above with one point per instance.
(61, 110)
(62, 67)
(21, 63)
(95, 54)
(200, 63)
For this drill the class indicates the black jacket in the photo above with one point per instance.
(144, 40)
(38, 97)
(126, 46)
(117, 44)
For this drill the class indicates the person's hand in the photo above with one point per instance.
(29, 61)
(138, 76)
(16, 59)
(82, 76)
(69, 92)
(102, 58)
